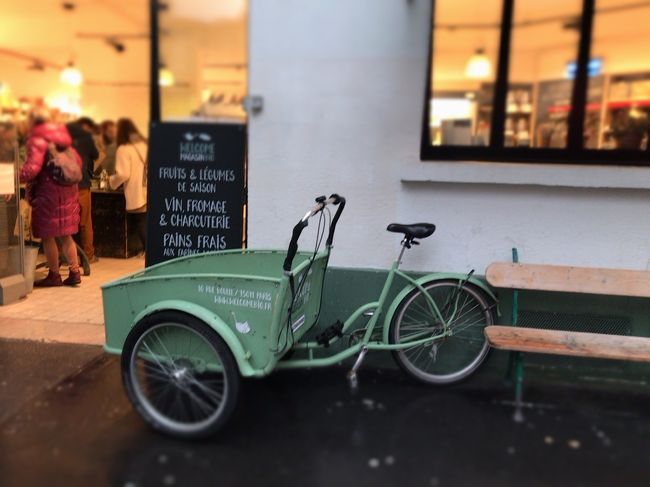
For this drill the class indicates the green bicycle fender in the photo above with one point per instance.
(214, 322)
(439, 276)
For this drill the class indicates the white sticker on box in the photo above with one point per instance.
(243, 327)
(298, 323)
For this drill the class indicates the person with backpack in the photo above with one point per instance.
(52, 172)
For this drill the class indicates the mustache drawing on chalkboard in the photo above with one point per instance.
(189, 136)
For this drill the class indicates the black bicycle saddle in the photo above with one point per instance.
(414, 230)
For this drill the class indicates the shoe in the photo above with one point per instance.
(74, 278)
(53, 279)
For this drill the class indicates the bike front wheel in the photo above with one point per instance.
(180, 375)
(465, 312)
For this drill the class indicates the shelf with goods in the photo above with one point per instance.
(553, 105)
(617, 114)
(11, 244)
(626, 113)
(519, 113)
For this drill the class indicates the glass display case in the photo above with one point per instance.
(11, 240)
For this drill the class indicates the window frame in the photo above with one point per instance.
(574, 153)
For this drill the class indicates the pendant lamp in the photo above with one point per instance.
(478, 66)
(165, 76)
(71, 75)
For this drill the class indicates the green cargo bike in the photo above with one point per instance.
(189, 329)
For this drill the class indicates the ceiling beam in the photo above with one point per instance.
(108, 35)
(30, 58)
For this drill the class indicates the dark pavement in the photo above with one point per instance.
(29, 367)
(305, 428)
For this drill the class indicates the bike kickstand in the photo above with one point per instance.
(352, 375)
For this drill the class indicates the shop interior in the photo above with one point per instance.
(85, 58)
(544, 47)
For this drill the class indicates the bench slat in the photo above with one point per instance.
(616, 282)
(636, 349)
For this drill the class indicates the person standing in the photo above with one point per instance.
(55, 207)
(108, 134)
(131, 170)
(82, 141)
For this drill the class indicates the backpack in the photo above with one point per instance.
(63, 166)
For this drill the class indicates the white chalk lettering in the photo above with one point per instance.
(214, 222)
(177, 240)
(173, 204)
(205, 206)
(166, 172)
(211, 242)
(203, 187)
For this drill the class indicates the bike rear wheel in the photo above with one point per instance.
(452, 358)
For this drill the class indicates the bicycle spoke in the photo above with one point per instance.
(152, 370)
(200, 402)
(206, 390)
(153, 355)
(164, 347)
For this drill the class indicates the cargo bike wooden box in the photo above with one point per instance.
(189, 329)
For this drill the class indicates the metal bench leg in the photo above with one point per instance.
(518, 356)
(519, 388)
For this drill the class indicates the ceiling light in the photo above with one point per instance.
(71, 76)
(478, 66)
(207, 11)
(165, 76)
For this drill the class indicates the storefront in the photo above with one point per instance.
(103, 71)
(366, 99)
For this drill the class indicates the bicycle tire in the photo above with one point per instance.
(451, 359)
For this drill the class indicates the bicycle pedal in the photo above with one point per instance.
(331, 332)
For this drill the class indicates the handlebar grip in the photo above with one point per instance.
(340, 201)
(293, 245)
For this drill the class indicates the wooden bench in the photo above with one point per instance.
(584, 280)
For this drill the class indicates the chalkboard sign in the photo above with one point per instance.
(196, 189)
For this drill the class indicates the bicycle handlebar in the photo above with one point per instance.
(321, 202)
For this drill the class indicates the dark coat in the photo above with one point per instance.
(85, 146)
(55, 208)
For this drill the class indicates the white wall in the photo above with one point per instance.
(343, 85)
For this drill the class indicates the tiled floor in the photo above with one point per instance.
(64, 314)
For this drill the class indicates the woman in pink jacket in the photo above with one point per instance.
(55, 208)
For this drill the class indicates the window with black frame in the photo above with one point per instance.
(563, 81)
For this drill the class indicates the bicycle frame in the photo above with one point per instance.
(377, 309)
